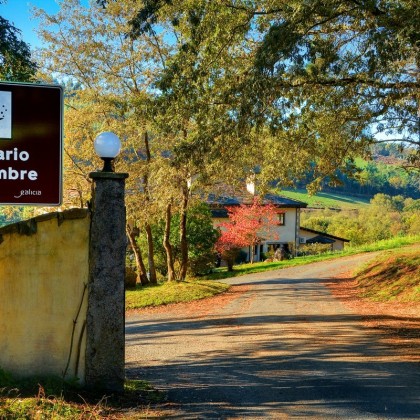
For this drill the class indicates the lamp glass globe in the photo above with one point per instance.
(107, 145)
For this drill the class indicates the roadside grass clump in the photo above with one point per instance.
(397, 242)
(392, 276)
(51, 398)
(172, 292)
(19, 402)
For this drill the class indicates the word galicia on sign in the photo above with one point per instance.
(30, 144)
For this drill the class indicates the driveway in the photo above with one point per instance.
(279, 346)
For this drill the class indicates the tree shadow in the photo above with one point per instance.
(273, 366)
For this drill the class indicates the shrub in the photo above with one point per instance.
(314, 249)
(131, 278)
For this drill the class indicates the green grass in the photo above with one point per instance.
(326, 200)
(174, 292)
(393, 276)
(240, 270)
(207, 286)
(51, 399)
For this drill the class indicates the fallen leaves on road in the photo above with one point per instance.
(396, 323)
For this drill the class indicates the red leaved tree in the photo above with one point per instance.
(248, 225)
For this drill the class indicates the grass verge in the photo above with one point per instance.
(207, 286)
(49, 398)
(393, 276)
(174, 292)
(240, 270)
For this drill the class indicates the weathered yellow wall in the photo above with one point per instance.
(42, 281)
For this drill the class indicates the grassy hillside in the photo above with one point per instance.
(393, 276)
(326, 200)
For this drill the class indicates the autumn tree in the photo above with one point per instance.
(108, 79)
(248, 226)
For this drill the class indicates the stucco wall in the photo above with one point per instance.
(44, 267)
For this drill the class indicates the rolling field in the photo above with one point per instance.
(326, 200)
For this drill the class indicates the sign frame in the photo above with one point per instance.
(31, 144)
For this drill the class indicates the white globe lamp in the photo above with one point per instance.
(107, 146)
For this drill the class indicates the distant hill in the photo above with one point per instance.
(384, 173)
(329, 200)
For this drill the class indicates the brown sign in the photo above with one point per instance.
(31, 144)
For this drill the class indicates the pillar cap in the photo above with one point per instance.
(108, 175)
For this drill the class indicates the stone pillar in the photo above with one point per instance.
(105, 347)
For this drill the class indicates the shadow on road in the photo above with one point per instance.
(284, 349)
(297, 373)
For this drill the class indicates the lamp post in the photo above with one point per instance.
(105, 320)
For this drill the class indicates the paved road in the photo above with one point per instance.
(284, 349)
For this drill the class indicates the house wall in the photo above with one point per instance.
(278, 234)
(44, 269)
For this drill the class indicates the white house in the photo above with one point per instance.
(285, 234)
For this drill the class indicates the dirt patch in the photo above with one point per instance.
(396, 323)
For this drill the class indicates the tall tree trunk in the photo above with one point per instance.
(167, 244)
(151, 252)
(183, 233)
(137, 254)
(151, 255)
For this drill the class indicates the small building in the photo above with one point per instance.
(311, 236)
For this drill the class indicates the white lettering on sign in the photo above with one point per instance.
(14, 154)
(28, 192)
(14, 174)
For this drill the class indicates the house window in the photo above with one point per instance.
(281, 219)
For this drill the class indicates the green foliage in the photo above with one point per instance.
(201, 237)
(15, 56)
(323, 199)
(386, 217)
(314, 249)
(136, 387)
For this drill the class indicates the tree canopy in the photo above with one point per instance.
(322, 78)
(15, 56)
(207, 91)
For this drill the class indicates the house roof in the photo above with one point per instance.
(322, 234)
(218, 203)
(320, 240)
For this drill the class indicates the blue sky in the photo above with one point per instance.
(19, 13)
